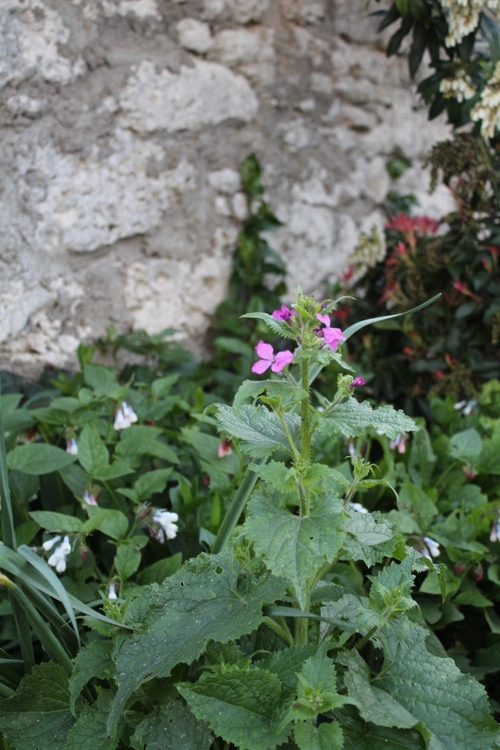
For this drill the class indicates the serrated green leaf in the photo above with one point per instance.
(37, 716)
(352, 417)
(276, 474)
(242, 705)
(92, 661)
(92, 452)
(418, 503)
(295, 547)
(369, 537)
(322, 737)
(59, 522)
(250, 389)
(211, 597)
(89, 731)
(258, 429)
(275, 325)
(172, 726)
(38, 458)
(287, 663)
(453, 706)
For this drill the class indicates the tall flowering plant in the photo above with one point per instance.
(278, 637)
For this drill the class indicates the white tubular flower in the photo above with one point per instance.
(124, 417)
(89, 498)
(431, 548)
(358, 507)
(487, 110)
(72, 447)
(165, 525)
(57, 559)
(47, 545)
(112, 595)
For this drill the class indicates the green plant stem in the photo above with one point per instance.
(6, 691)
(281, 632)
(236, 508)
(296, 454)
(305, 444)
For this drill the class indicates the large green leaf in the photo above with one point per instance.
(172, 726)
(451, 705)
(322, 737)
(211, 597)
(295, 547)
(362, 735)
(89, 731)
(59, 522)
(370, 537)
(242, 705)
(38, 458)
(92, 661)
(92, 452)
(352, 417)
(259, 430)
(37, 716)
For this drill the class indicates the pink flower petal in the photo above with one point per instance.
(265, 351)
(333, 336)
(282, 360)
(261, 366)
(325, 319)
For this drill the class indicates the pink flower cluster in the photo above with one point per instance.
(269, 359)
(332, 336)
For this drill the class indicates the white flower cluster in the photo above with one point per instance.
(124, 417)
(459, 88)
(464, 17)
(487, 110)
(164, 525)
(57, 559)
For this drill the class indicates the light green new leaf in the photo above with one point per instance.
(295, 547)
(92, 661)
(211, 597)
(58, 522)
(322, 737)
(453, 706)
(37, 716)
(352, 417)
(258, 429)
(38, 458)
(89, 731)
(241, 705)
(172, 726)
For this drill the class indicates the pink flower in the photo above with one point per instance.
(267, 359)
(284, 313)
(332, 336)
(356, 382)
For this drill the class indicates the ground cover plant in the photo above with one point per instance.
(299, 629)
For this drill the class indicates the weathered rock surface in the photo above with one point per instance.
(123, 126)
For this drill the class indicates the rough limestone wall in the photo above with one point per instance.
(123, 123)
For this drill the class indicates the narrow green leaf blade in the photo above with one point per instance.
(362, 323)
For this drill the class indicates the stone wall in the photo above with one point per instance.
(123, 125)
